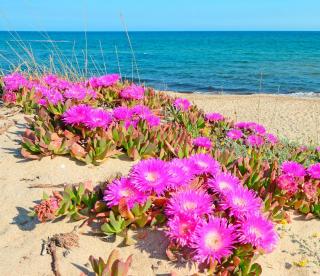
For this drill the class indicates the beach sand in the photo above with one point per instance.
(21, 237)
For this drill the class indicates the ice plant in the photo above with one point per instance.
(235, 134)
(14, 82)
(123, 189)
(272, 139)
(132, 92)
(203, 142)
(314, 171)
(182, 104)
(242, 202)
(259, 232)
(288, 184)
(181, 229)
(204, 163)
(293, 168)
(98, 118)
(9, 98)
(214, 117)
(77, 114)
(255, 140)
(224, 183)
(103, 81)
(214, 240)
(151, 176)
(189, 203)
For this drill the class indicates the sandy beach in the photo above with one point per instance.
(21, 237)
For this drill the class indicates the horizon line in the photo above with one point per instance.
(119, 31)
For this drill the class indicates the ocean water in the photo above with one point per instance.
(208, 62)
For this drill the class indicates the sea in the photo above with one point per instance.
(197, 62)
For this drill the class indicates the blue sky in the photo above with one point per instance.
(104, 15)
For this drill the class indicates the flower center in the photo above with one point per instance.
(224, 185)
(256, 232)
(189, 205)
(202, 164)
(240, 202)
(125, 193)
(151, 176)
(213, 241)
(183, 229)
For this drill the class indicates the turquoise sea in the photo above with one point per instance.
(214, 62)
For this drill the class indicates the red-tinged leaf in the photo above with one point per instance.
(124, 209)
(171, 256)
(77, 150)
(28, 155)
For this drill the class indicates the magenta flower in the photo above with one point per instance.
(259, 232)
(103, 81)
(214, 117)
(314, 171)
(77, 114)
(258, 129)
(255, 140)
(123, 188)
(293, 168)
(310, 190)
(180, 171)
(14, 82)
(241, 202)
(151, 175)
(272, 139)
(182, 229)
(53, 96)
(98, 118)
(235, 134)
(318, 149)
(9, 97)
(287, 183)
(214, 240)
(182, 104)
(224, 183)
(76, 92)
(189, 203)
(54, 82)
(122, 113)
(204, 163)
(132, 92)
(203, 142)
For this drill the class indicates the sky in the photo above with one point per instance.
(159, 15)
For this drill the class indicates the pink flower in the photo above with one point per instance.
(272, 139)
(214, 240)
(259, 232)
(234, 134)
(293, 168)
(53, 96)
(9, 97)
(318, 149)
(203, 142)
(255, 140)
(14, 82)
(204, 163)
(123, 188)
(54, 82)
(242, 202)
(314, 171)
(122, 113)
(189, 203)
(287, 183)
(182, 104)
(76, 92)
(257, 128)
(103, 81)
(151, 175)
(214, 117)
(180, 171)
(76, 114)
(224, 183)
(132, 92)
(182, 229)
(98, 118)
(310, 190)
